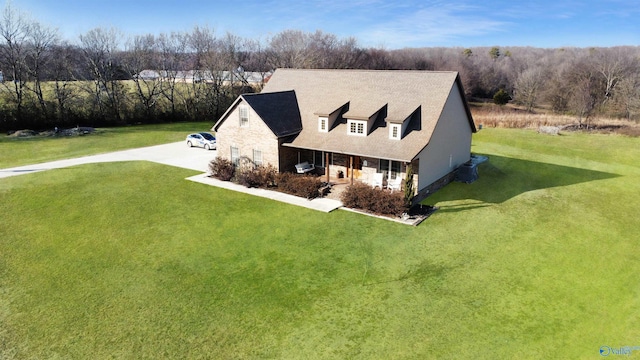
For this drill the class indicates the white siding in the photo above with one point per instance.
(450, 144)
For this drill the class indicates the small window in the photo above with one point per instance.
(322, 124)
(235, 156)
(257, 157)
(244, 115)
(394, 132)
(356, 127)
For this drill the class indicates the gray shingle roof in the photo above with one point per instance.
(366, 91)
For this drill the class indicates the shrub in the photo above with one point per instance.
(306, 186)
(357, 196)
(259, 176)
(222, 169)
(501, 97)
(389, 203)
(381, 202)
(409, 191)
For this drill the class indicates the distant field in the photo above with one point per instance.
(536, 259)
(511, 116)
(16, 152)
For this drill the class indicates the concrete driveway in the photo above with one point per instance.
(174, 154)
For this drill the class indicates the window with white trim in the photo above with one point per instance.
(235, 156)
(243, 112)
(323, 124)
(355, 127)
(257, 157)
(394, 132)
(389, 168)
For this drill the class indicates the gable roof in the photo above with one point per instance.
(399, 93)
(278, 110)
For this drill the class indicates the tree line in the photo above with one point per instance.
(48, 81)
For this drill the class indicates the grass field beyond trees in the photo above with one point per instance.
(536, 259)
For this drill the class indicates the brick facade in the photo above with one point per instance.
(256, 135)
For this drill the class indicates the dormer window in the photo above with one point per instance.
(394, 131)
(243, 112)
(323, 124)
(356, 127)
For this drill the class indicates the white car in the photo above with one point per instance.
(203, 140)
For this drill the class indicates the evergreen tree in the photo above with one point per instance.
(501, 97)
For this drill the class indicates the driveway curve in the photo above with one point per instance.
(174, 154)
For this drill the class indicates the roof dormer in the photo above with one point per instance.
(398, 122)
(328, 117)
(361, 117)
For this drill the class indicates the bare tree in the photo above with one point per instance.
(257, 60)
(587, 91)
(40, 42)
(290, 49)
(173, 58)
(377, 59)
(100, 47)
(198, 98)
(142, 55)
(14, 31)
(611, 65)
(349, 54)
(64, 59)
(527, 88)
(628, 95)
(233, 53)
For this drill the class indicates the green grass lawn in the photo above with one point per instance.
(17, 152)
(536, 259)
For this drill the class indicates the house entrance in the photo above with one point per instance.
(357, 167)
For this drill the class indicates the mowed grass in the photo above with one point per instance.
(536, 259)
(27, 151)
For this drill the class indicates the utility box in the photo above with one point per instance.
(467, 173)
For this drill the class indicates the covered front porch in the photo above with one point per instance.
(339, 168)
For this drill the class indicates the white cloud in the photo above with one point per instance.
(433, 25)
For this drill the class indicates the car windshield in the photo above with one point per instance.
(207, 136)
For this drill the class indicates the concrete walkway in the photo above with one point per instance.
(320, 204)
(179, 155)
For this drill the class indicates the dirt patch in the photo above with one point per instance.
(628, 130)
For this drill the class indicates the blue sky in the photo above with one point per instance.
(375, 23)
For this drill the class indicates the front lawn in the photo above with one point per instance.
(536, 259)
